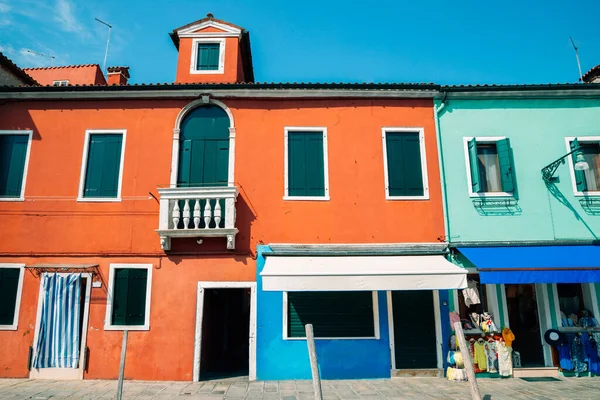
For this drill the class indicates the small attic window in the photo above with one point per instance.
(208, 56)
(60, 83)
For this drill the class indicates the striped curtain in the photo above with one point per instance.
(58, 339)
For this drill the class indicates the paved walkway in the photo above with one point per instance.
(396, 388)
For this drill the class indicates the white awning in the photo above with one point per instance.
(312, 273)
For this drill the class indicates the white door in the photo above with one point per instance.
(66, 372)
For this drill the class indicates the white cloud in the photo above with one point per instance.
(66, 18)
(4, 8)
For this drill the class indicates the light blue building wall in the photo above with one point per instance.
(537, 129)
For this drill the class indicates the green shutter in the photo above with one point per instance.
(208, 56)
(405, 174)
(506, 165)
(579, 175)
(103, 165)
(333, 314)
(474, 164)
(13, 151)
(136, 297)
(119, 300)
(129, 296)
(185, 159)
(306, 165)
(9, 284)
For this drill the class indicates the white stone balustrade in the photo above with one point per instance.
(197, 212)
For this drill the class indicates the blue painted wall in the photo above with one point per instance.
(537, 129)
(338, 359)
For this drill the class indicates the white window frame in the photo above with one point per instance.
(62, 82)
(375, 322)
(421, 132)
(82, 176)
(29, 134)
(296, 129)
(194, 60)
(580, 139)
(15, 324)
(108, 325)
(482, 140)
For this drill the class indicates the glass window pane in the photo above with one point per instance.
(489, 167)
(591, 152)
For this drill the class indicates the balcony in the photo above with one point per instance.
(197, 213)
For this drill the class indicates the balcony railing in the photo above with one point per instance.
(197, 212)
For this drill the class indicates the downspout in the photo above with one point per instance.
(436, 112)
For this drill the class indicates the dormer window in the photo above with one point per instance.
(64, 82)
(208, 56)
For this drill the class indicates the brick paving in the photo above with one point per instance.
(396, 388)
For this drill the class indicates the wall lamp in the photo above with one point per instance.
(580, 164)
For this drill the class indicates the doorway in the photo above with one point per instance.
(415, 330)
(225, 330)
(64, 302)
(524, 321)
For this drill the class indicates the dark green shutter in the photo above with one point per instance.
(579, 175)
(208, 56)
(129, 296)
(185, 159)
(9, 284)
(333, 314)
(474, 164)
(306, 165)
(506, 165)
(103, 165)
(405, 174)
(13, 151)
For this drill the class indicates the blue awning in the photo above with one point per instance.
(535, 264)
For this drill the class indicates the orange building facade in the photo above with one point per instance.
(202, 179)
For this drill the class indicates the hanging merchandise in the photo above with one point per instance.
(508, 336)
(491, 353)
(591, 353)
(480, 356)
(577, 356)
(471, 293)
(505, 366)
(454, 317)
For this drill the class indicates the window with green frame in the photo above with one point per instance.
(491, 166)
(208, 55)
(103, 166)
(13, 153)
(129, 296)
(306, 164)
(404, 164)
(332, 314)
(587, 180)
(9, 287)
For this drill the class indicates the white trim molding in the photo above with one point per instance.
(108, 325)
(482, 140)
(15, 323)
(29, 133)
(200, 315)
(374, 299)
(206, 100)
(581, 139)
(82, 175)
(194, 60)
(227, 30)
(311, 129)
(423, 155)
(61, 82)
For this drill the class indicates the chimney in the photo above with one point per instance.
(118, 75)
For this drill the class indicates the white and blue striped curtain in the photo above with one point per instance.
(58, 339)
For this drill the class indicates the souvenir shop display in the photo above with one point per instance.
(583, 319)
(577, 352)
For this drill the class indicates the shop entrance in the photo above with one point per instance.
(524, 321)
(225, 330)
(414, 330)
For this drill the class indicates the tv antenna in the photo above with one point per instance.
(577, 56)
(107, 42)
(52, 58)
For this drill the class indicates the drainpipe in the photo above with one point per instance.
(436, 112)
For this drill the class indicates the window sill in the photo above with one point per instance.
(13, 199)
(207, 71)
(490, 194)
(587, 194)
(126, 327)
(334, 338)
(98, 200)
(392, 198)
(8, 327)
(307, 198)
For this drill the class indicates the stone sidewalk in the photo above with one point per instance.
(396, 388)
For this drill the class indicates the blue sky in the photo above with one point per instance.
(446, 42)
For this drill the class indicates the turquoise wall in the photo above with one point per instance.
(537, 129)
